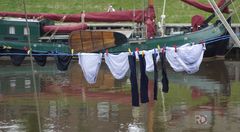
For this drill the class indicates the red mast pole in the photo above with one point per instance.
(150, 2)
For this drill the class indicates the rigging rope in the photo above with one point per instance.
(134, 14)
(224, 22)
(163, 105)
(143, 29)
(55, 30)
(163, 16)
(83, 5)
(32, 67)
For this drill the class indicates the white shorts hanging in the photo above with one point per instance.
(187, 58)
(90, 64)
(149, 59)
(118, 64)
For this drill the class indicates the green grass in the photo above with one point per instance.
(176, 11)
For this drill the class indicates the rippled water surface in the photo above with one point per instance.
(206, 101)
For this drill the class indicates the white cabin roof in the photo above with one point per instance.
(18, 19)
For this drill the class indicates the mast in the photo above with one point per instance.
(150, 2)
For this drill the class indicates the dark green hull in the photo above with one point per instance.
(207, 34)
(17, 51)
(37, 47)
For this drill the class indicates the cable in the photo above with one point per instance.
(163, 16)
(33, 73)
(224, 21)
(163, 106)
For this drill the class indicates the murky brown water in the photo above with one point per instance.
(206, 101)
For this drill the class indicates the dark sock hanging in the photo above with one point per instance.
(165, 86)
(143, 80)
(40, 59)
(155, 88)
(62, 62)
(17, 59)
(133, 79)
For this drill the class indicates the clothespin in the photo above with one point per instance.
(137, 50)
(29, 51)
(129, 51)
(202, 42)
(4, 47)
(163, 50)
(159, 49)
(175, 46)
(106, 52)
(25, 48)
(72, 51)
(143, 53)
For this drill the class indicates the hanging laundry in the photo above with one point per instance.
(118, 64)
(90, 64)
(155, 88)
(143, 80)
(187, 57)
(17, 59)
(165, 86)
(62, 62)
(40, 59)
(149, 60)
(133, 79)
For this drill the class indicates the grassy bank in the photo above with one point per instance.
(176, 11)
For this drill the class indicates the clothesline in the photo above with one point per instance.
(188, 58)
(207, 42)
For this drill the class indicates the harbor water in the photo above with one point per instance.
(208, 100)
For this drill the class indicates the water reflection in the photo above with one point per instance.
(208, 100)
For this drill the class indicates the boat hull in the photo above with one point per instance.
(41, 47)
(211, 35)
(17, 51)
(216, 49)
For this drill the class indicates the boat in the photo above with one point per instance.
(201, 33)
(48, 39)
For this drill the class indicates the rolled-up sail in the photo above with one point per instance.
(65, 28)
(117, 16)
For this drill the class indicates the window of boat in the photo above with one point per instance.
(11, 30)
(26, 30)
